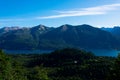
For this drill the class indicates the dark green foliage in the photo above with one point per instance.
(5, 67)
(68, 64)
(115, 70)
(65, 64)
(56, 58)
(38, 73)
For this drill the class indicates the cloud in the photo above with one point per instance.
(98, 10)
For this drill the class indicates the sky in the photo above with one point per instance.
(54, 13)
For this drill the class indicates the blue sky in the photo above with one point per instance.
(53, 13)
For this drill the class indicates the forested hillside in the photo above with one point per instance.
(65, 64)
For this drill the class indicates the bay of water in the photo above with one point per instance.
(104, 52)
(97, 52)
(27, 51)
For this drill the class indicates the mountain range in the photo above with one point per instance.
(43, 37)
(115, 31)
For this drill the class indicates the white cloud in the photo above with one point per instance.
(98, 10)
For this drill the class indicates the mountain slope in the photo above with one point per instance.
(18, 39)
(7, 29)
(115, 31)
(83, 36)
(42, 37)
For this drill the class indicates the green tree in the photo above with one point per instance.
(38, 73)
(5, 67)
(19, 71)
(115, 70)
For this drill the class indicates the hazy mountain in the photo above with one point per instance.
(40, 29)
(42, 37)
(115, 31)
(7, 29)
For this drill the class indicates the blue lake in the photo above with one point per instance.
(27, 51)
(97, 52)
(104, 52)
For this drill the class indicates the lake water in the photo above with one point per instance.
(104, 52)
(27, 51)
(97, 52)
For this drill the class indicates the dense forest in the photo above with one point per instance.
(64, 64)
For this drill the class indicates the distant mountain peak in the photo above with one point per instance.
(65, 27)
(7, 29)
(10, 28)
(85, 25)
(40, 27)
(117, 26)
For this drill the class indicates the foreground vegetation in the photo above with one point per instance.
(65, 64)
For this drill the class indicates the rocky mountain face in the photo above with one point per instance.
(42, 37)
